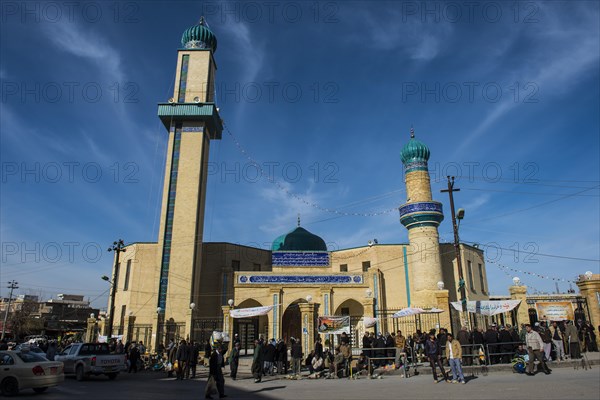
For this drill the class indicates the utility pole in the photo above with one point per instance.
(461, 279)
(12, 285)
(117, 247)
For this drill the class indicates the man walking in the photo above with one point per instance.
(296, 357)
(535, 346)
(215, 365)
(433, 352)
(182, 359)
(557, 339)
(257, 361)
(454, 356)
(234, 360)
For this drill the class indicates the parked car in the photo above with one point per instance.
(85, 359)
(27, 370)
(31, 349)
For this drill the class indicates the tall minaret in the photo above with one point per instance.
(192, 120)
(421, 216)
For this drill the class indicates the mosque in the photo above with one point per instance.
(183, 287)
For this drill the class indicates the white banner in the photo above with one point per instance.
(369, 322)
(487, 307)
(250, 312)
(406, 312)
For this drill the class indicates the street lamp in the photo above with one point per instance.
(588, 275)
(192, 306)
(368, 292)
(309, 298)
(230, 302)
(440, 285)
(517, 281)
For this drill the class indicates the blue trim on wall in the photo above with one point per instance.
(166, 254)
(376, 287)
(406, 275)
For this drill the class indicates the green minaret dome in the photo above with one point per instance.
(299, 240)
(414, 151)
(199, 36)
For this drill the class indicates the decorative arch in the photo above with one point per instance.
(249, 329)
(291, 321)
(355, 308)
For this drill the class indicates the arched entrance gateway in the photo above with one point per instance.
(355, 310)
(249, 329)
(291, 324)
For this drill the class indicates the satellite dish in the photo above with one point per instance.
(171, 100)
(370, 243)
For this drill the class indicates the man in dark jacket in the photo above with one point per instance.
(257, 361)
(234, 360)
(506, 346)
(433, 352)
(296, 356)
(134, 356)
(281, 357)
(215, 366)
(269, 357)
(464, 338)
(366, 344)
(193, 361)
(319, 348)
(379, 347)
(390, 344)
(182, 359)
(491, 340)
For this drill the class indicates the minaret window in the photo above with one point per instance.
(343, 267)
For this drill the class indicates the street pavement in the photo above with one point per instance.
(562, 383)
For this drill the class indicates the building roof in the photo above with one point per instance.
(414, 150)
(299, 240)
(199, 36)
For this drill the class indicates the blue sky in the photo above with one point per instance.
(505, 96)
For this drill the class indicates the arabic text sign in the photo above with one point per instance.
(300, 259)
(555, 311)
(491, 307)
(250, 312)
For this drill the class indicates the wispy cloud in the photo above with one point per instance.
(86, 44)
(421, 41)
(565, 54)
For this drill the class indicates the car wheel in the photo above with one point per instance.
(9, 387)
(79, 374)
(112, 377)
(40, 390)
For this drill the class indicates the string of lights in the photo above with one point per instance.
(296, 196)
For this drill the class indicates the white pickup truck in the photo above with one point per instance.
(85, 359)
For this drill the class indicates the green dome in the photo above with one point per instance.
(199, 37)
(414, 151)
(299, 240)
